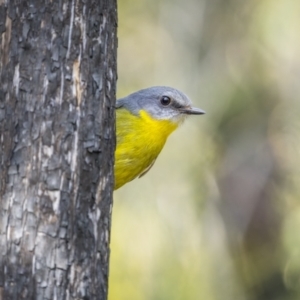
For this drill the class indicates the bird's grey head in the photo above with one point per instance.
(161, 102)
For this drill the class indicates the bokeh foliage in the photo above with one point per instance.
(218, 216)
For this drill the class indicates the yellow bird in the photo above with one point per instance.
(144, 120)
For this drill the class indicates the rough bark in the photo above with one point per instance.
(57, 92)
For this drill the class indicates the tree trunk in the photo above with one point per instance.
(57, 92)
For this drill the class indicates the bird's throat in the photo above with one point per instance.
(139, 141)
(157, 129)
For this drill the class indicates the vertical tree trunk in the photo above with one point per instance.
(57, 92)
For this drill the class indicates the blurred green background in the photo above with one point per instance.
(218, 216)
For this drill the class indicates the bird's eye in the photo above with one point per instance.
(165, 100)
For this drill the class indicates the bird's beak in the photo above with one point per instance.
(192, 111)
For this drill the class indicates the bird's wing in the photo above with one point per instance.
(147, 169)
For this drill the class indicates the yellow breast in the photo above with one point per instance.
(139, 141)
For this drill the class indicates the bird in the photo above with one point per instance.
(144, 120)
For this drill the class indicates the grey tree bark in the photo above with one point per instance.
(57, 92)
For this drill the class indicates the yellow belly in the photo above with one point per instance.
(139, 141)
